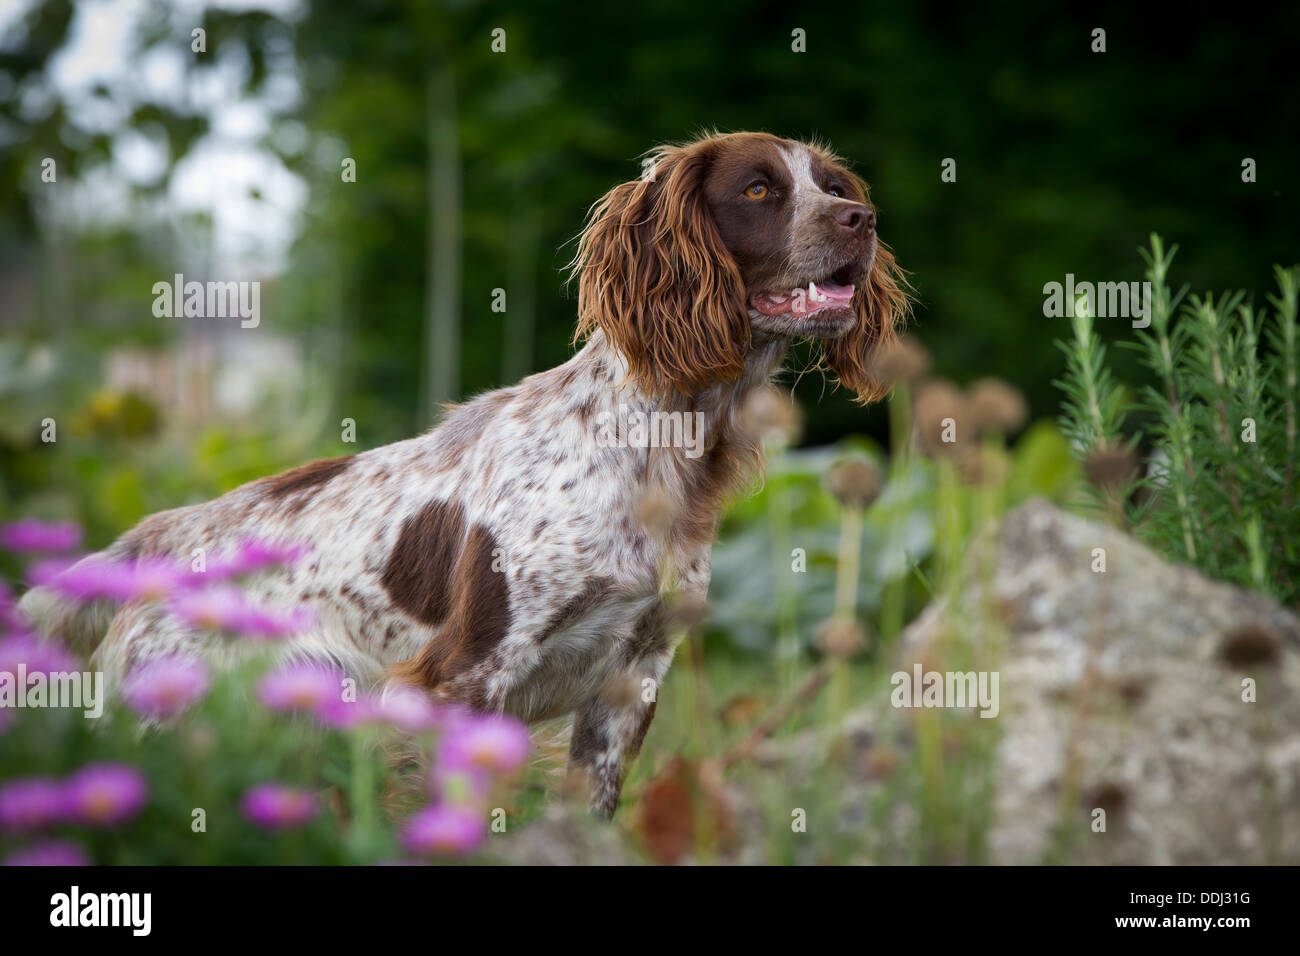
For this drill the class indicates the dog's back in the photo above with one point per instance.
(339, 510)
(463, 560)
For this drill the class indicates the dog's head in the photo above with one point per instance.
(729, 236)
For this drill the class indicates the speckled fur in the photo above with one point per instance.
(406, 542)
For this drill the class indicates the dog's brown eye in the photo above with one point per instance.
(756, 191)
(836, 192)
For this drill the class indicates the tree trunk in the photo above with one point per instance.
(442, 316)
(521, 292)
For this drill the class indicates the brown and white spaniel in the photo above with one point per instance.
(509, 558)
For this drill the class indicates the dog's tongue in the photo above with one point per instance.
(803, 301)
(837, 293)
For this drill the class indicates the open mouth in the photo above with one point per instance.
(832, 292)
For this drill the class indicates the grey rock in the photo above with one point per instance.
(1123, 690)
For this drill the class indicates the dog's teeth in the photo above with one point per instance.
(815, 294)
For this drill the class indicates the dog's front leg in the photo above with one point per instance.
(607, 735)
(608, 729)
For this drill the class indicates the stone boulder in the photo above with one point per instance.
(1166, 699)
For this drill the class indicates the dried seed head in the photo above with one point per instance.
(841, 638)
(656, 511)
(743, 709)
(977, 465)
(996, 406)
(1109, 466)
(880, 762)
(904, 360)
(936, 401)
(623, 693)
(686, 610)
(855, 482)
(771, 415)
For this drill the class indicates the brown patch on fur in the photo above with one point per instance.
(721, 472)
(419, 570)
(590, 732)
(478, 620)
(649, 636)
(567, 377)
(303, 481)
(576, 607)
(476, 697)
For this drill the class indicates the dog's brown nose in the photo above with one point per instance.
(856, 218)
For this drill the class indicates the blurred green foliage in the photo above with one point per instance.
(1066, 159)
(754, 564)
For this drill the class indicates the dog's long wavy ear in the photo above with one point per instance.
(655, 277)
(882, 305)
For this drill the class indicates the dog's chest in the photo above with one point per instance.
(572, 664)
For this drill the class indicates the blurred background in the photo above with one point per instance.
(387, 171)
(474, 167)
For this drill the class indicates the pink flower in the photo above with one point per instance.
(274, 806)
(153, 579)
(31, 803)
(300, 686)
(485, 742)
(346, 714)
(227, 608)
(445, 829)
(37, 537)
(36, 655)
(87, 579)
(100, 578)
(252, 555)
(49, 853)
(106, 793)
(409, 709)
(165, 686)
(269, 624)
(9, 617)
(212, 609)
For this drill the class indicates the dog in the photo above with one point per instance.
(507, 560)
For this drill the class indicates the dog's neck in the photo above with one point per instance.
(720, 403)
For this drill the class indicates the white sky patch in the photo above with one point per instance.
(100, 41)
(140, 157)
(254, 201)
(161, 71)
